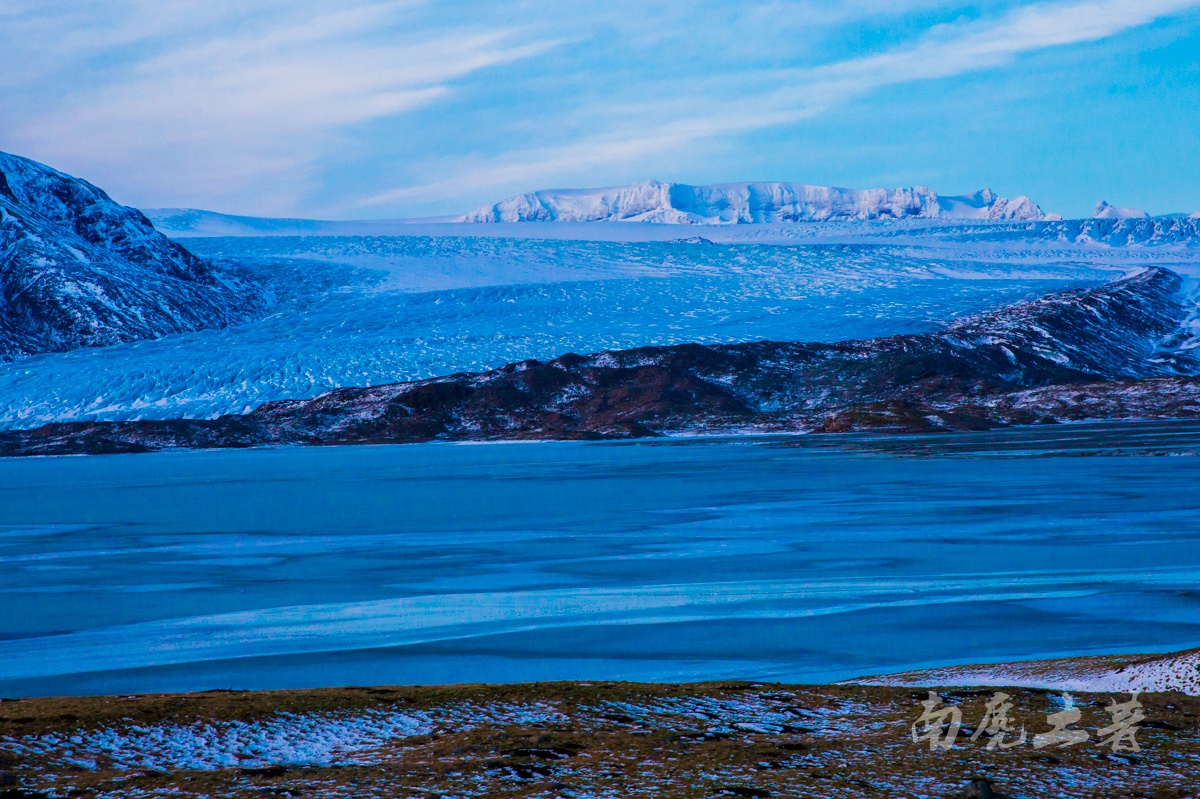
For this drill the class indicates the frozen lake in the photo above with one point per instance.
(753, 559)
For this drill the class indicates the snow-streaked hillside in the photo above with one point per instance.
(748, 203)
(79, 270)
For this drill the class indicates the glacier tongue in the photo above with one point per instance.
(748, 203)
(373, 310)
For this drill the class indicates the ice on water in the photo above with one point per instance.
(677, 560)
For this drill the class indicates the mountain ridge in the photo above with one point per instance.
(77, 269)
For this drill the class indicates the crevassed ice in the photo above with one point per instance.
(358, 311)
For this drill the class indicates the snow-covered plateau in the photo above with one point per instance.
(748, 203)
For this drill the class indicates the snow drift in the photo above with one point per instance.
(1177, 671)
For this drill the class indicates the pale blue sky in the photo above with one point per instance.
(398, 109)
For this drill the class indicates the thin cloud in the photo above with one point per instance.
(220, 112)
(289, 106)
(946, 51)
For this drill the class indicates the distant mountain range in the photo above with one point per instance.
(650, 201)
(750, 203)
(79, 270)
(666, 204)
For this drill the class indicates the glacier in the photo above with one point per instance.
(748, 203)
(365, 311)
(233, 312)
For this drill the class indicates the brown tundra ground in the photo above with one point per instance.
(575, 739)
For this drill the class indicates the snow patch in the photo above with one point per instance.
(316, 739)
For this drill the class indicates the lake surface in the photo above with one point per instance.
(803, 560)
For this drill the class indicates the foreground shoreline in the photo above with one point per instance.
(587, 739)
(1130, 437)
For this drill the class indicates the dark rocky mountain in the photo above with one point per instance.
(1093, 353)
(79, 270)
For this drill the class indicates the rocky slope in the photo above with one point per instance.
(743, 203)
(79, 270)
(1086, 353)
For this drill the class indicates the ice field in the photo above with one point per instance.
(361, 310)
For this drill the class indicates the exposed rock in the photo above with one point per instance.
(979, 789)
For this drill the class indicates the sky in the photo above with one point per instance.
(395, 109)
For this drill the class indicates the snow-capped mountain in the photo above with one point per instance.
(79, 270)
(744, 203)
(1106, 211)
(986, 204)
